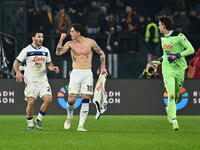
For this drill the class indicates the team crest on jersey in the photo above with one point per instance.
(166, 81)
(185, 39)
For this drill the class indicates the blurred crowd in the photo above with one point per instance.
(122, 21)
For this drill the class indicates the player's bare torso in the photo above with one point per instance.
(81, 53)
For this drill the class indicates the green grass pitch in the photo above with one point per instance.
(107, 133)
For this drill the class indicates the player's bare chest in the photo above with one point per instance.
(83, 49)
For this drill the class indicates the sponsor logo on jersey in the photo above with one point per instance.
(99, 87)
(37, 58)
(165, 46)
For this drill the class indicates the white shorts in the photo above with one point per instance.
(81, 81)
(34, 89)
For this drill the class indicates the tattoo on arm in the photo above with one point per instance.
(74, 59)
(99, 52)
(97, 48)
(59, 48)
(102, 59)
(73, 96)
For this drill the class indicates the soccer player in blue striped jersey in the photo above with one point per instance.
(36, 58)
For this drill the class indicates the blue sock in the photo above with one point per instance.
(30, 121)
(85, 101)
(40, 116)
(29, 118)
(42, 113)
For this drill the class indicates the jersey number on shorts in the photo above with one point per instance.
(89, 88)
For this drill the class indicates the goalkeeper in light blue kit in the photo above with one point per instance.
(175, 47)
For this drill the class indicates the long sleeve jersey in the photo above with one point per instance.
(174, 43)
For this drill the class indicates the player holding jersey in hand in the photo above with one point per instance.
(175, 47)
(81, 77)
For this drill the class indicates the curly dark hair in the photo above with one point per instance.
(167, 21)
(79, 28)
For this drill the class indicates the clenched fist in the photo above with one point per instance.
(63, 36)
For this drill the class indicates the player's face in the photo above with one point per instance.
(74, 34)
(161, 27)
(38, 39)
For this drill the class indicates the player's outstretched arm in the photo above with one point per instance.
(62, 49)
(52, 67)
(19, 75)
(100, 52)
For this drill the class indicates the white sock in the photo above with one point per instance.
(70, 110)
(84, 112)
(30, 122)
(40, 115)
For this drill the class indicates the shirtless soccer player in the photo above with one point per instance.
(81, 77)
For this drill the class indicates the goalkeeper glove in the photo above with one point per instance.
(173, 57)
(157, 62)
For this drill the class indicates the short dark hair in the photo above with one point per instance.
(35, 32)
(79, 28)
(167, 21)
